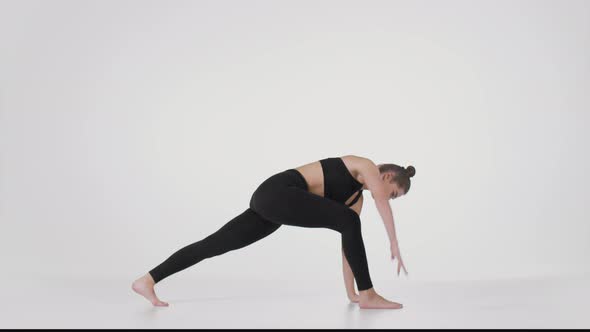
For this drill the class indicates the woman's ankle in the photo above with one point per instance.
(146, 278)
(368, 293)
(151, 279)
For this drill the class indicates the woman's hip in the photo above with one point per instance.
(284, 198)
(275, 183)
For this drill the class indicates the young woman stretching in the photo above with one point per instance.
(317, 194)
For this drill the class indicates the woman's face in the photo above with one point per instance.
(393, 189)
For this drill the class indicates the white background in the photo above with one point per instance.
(129, 129)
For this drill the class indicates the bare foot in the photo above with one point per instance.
(144, 286)
(371, 300)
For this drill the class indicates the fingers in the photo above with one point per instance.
(400, 264)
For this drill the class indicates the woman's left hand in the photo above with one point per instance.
(353, 297)
(395, 253)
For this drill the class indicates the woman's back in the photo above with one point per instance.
(334, 178)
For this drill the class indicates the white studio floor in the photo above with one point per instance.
(519, 303)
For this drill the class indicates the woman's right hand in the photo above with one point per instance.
(396, 254)
(354, 297)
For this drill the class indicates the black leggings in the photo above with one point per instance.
(282, 199)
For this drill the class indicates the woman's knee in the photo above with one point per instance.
(352, 223)
(261, 200)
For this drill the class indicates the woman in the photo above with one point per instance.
(317, 194)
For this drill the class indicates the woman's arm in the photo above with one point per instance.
(371, 176)
(346, 270)
(348, 279)
(372, 179)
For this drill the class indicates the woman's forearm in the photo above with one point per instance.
(387, 216)
(348, 275)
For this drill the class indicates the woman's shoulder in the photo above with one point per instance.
(356, 162)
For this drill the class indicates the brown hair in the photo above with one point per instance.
(401, 175)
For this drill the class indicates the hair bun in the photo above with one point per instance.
(410, 171)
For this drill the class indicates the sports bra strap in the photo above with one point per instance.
(356, 198)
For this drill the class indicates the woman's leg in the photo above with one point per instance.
(292, 205)
(244, 229)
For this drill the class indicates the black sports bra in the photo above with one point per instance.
(339, 184)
